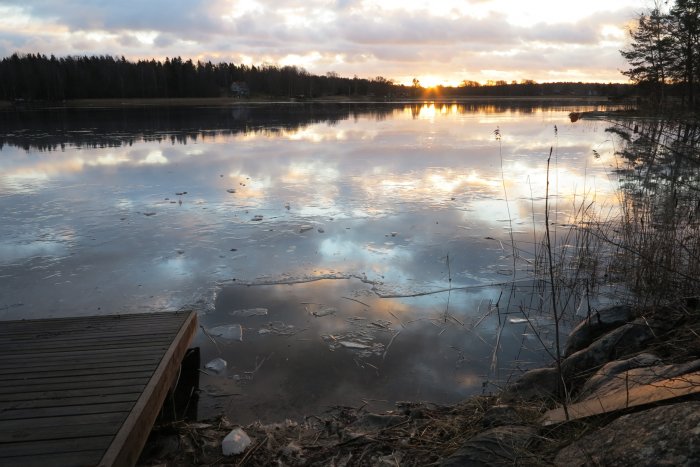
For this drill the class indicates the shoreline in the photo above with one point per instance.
(616, 370)
(115, 103)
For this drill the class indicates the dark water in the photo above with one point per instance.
(355, 252)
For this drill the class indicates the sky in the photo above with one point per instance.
(435, 41)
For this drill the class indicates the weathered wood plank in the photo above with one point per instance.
(62, 338)
(82, 392)
(71, 385)
(74, 385)
(59, 432)
(155, 348)
(639, 395)
(66, 459)
(14, 430)
(66, 371)
(130, 439)
(94, 320)
(56, 445)
(26, 413)
(48, 330)
(50, 382)
(69, 401)
(85, 344)
(79, 364)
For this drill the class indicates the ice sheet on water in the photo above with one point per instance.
(217, 365)
(279, 328)
(517, 320)
(248, 312)
(361, 343)
(230, 332)
(289, 279)
(324, 310)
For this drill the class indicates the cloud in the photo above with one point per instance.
(396, 39)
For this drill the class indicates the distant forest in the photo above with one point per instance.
(37, 77)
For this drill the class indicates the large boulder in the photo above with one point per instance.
(667, 435)
(595, 325)
(624, 341)
(537, 384)
(505, 445)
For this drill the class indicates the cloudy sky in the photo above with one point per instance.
(437, 41)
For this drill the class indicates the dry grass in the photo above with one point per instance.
(416, 434)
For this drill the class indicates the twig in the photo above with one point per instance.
(391, 341)
(397, 319)
(354, 300)
(216, 344)
(250, 453)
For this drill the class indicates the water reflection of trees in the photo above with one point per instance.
(56, 129)
(659, 236)
(48, 130)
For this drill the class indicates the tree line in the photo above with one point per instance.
(37, 77)
(664, 52)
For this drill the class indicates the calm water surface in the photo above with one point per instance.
(314, 241)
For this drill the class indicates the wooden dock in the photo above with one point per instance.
(86, 391)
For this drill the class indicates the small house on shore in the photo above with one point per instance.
(240, 89)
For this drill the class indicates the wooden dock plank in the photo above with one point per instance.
(86, 390)
(79, 353)
(57, 445)
(644, 394)
(18, 430)
(73, 385)
(69, 401)
(83, 392)
(129, 442)
(59, 372)
(81, 364)
(66, 459)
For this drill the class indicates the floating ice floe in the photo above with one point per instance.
(279, 328)
(248, 312)
(361, 343)
(517, 320)
(231, 332)
(354, 345)
(217, 365)
(324, 311)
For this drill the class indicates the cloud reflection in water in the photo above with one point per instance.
(166, 218)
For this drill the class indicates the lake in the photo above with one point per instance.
(337, 254)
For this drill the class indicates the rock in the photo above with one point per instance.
(235, 442)
(623, 341)
(636, 371)
(540, 383)
(595, 325)
(666, 435)
(506, 445)
(500, 415)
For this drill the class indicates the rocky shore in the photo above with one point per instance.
(630, 380)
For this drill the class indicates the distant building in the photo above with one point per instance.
(240, 89)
